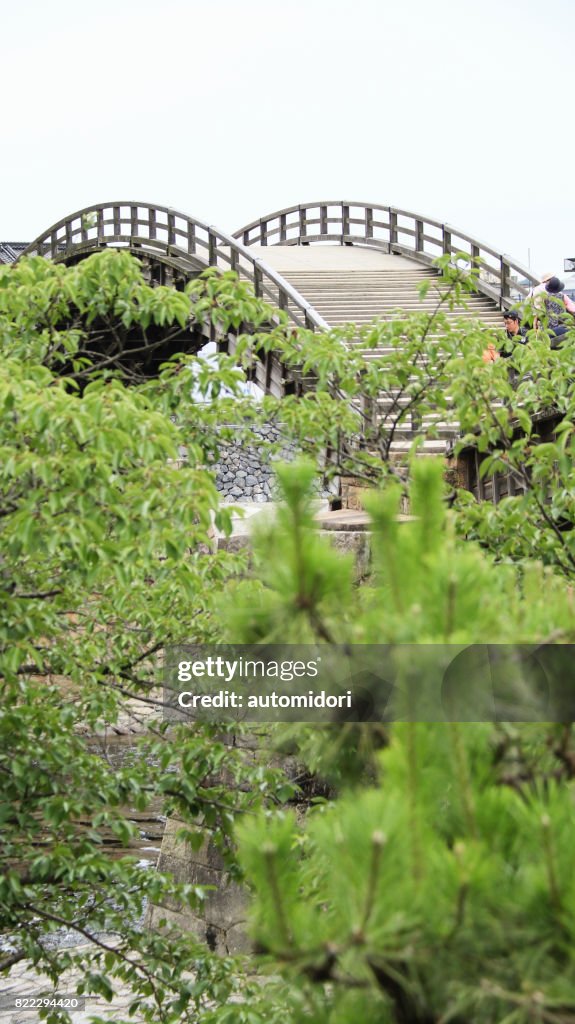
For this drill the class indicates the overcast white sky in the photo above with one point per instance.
(228, 110)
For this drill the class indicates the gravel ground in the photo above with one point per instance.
(24, 982)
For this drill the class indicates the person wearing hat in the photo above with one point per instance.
(541, 288)
(545, 277)
(553, 305)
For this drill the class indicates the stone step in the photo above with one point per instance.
(394, 303)
(386, 290)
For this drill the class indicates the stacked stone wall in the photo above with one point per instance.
(246, 472)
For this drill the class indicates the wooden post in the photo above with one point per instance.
(212, 255)
(302, 222)
(152, 223)
(100, 224)
(283, 232)
(263, 232)
(117, 221)
(268, 371)
(191, 237)
(344, 221)
(480, 485)
(416, 421)
(368, 222)
(257, 280)
(446, 240)
(504, 277)
(323, 220)
(369, 415)
(133, 221)
(419, 236)
(392, 227)
(171, 229)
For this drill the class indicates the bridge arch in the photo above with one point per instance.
(180, 247)
(391, 230)
(180, 244)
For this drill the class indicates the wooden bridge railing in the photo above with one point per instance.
(394, 231)
(174, 238)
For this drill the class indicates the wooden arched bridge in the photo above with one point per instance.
(324, 263)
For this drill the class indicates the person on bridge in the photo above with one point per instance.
(553, 304)
(514, 332)
(539, 288)
(513, 329)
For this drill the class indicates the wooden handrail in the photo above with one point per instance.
(400, 231)
(187, 244)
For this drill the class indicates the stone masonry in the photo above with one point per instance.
(245, 472)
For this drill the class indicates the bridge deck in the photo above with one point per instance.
(326, 263)
(352, 284)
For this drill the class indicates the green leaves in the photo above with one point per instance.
(105, 557)
(522, 413)
(307, 582)
(348, 913)
(441, 888)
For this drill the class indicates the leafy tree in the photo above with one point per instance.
(443, 890)
(106, 556)
(510, 399)
(355, 409)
